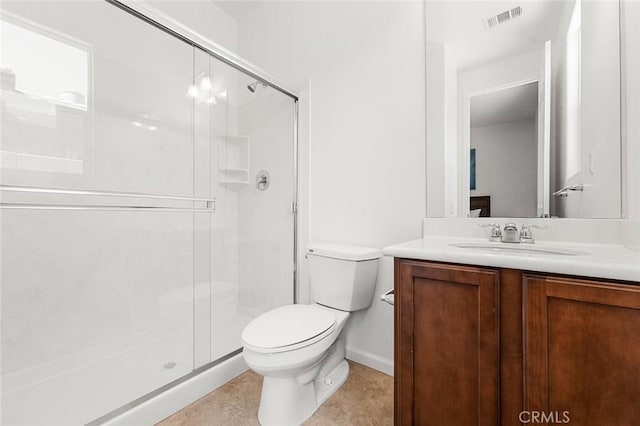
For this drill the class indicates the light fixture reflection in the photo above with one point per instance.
(193, 91)
(205, 83)
(203, 91)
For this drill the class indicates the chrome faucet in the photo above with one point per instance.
(510, 233)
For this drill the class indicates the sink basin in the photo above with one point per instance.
(519, 249)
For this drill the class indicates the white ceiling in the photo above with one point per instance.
(460, 25)
(503, 106)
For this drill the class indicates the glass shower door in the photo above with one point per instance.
(254, 184)
(105, 222)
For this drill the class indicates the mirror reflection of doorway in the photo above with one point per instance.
(504, 138)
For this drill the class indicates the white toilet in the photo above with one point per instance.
(299, 349)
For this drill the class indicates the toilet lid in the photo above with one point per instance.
(287, 326)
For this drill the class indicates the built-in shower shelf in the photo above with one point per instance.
(234, 171)
(234, 178)
(234, 185)
(233, 163)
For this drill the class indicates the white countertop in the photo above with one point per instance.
(617, 262)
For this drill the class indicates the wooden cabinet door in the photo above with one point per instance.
(447, 347)
(582, 351)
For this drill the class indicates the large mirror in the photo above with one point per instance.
(523, 108)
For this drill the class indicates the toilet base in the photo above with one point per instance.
(327, 387)
(285, 402)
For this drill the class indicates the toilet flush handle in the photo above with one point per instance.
(388, 297)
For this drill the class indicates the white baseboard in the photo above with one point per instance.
(371, 360)
(178, 397)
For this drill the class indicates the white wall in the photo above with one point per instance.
(435, 128)
(452, 173)
(506, 167)
(366, 128)
(496, 74)
(441, 122)
(631, 105)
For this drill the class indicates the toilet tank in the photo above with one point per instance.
(343, 277)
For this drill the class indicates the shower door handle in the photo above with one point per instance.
(389, 297)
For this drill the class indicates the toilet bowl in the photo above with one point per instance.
(289, 346)
(300, 349)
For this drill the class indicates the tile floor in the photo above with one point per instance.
(366, 398)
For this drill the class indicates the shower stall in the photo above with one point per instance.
(148, 207)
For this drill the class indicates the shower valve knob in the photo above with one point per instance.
(262, 180)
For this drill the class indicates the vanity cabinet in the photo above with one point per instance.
(447, 345)
(582, 349)
(480, 346)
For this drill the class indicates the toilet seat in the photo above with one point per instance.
(288, 328)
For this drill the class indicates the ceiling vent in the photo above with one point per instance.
(502, 17)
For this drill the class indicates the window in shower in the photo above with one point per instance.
(41, 65)
(45, 81)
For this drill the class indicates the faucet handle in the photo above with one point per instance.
(496, 232)
(526, 236)
(510, 226)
